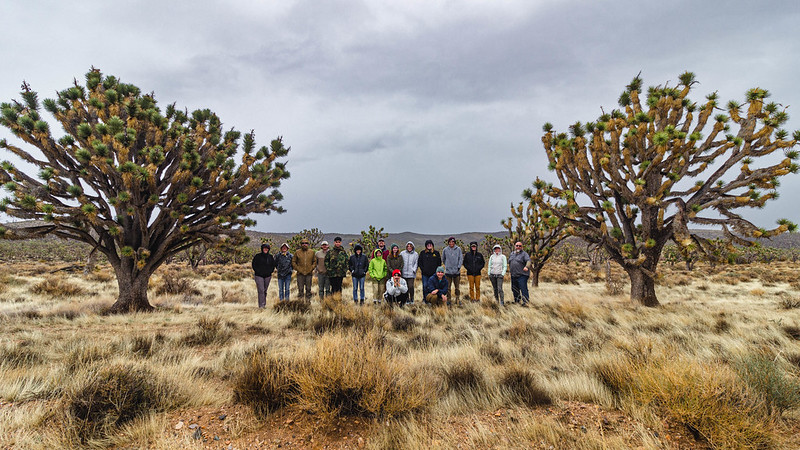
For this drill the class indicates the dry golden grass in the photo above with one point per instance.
(721, 357)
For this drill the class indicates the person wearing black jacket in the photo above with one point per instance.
(429, 260)
(358, 264)
(263, 266)
(474, 262)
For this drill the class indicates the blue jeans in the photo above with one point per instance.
(358, 284)
(519, 287)
(283, 287)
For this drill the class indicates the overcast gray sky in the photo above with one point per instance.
(412, 115)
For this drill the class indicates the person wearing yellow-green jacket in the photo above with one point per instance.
(377, 272)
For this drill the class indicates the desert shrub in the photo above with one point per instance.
(790, 303)
(423, 340)
(145, 346)
(234, 275)
(257, 329)
(518, 330)
(764, 376)
(69, 312)
(338, 315)
(490, 305)
(493, 351)
(463, 374)
(292, 306)
(403, 323)
(85, 355)
(114, 396)
(57, 287)
(232, 296)
(172, 284)
(721, 325)
(793, 359)
(265, 382)
(19, 355)
(523, 387)
(614, 372)
(209, 331)
(352, 374)
(793, 331)
(101, 276)
(708, 399)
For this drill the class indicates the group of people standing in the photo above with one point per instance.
(393, 272)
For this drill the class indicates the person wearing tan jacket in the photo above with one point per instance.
(304, 262)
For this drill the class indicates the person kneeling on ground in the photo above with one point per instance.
(396, 290)
(435, 289)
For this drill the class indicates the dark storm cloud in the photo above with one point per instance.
(440, 104)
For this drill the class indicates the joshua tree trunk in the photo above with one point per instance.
(535, 275)
(643, 286)
(132, 292)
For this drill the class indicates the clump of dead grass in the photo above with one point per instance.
(708, 398)
(172, 284)
(232, 296)
(403, 323)
(57, 287)
(522, 387)
(209, 330)
(114, 396)
(464, 374)
(266, 382)
(793, 331)
(354, 375)
(101, 276)
(338, 315)
(146, 345)
(19, 355)
(292, 306)
(789, 303)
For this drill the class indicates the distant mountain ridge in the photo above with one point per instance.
(785, 240)
(394, 238)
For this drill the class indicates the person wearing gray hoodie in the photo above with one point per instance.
(410, 263)
(453, 258)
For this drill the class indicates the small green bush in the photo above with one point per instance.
(765, 377)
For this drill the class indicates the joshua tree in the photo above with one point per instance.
(537, 228)
(136, 183)
(369, 239)
(314, 236)
(490, 240)
(639, 176)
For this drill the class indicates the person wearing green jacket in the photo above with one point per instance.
(377, 272)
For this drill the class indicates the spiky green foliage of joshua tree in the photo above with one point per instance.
(537, 227)
(639, 176)
(138, 184)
